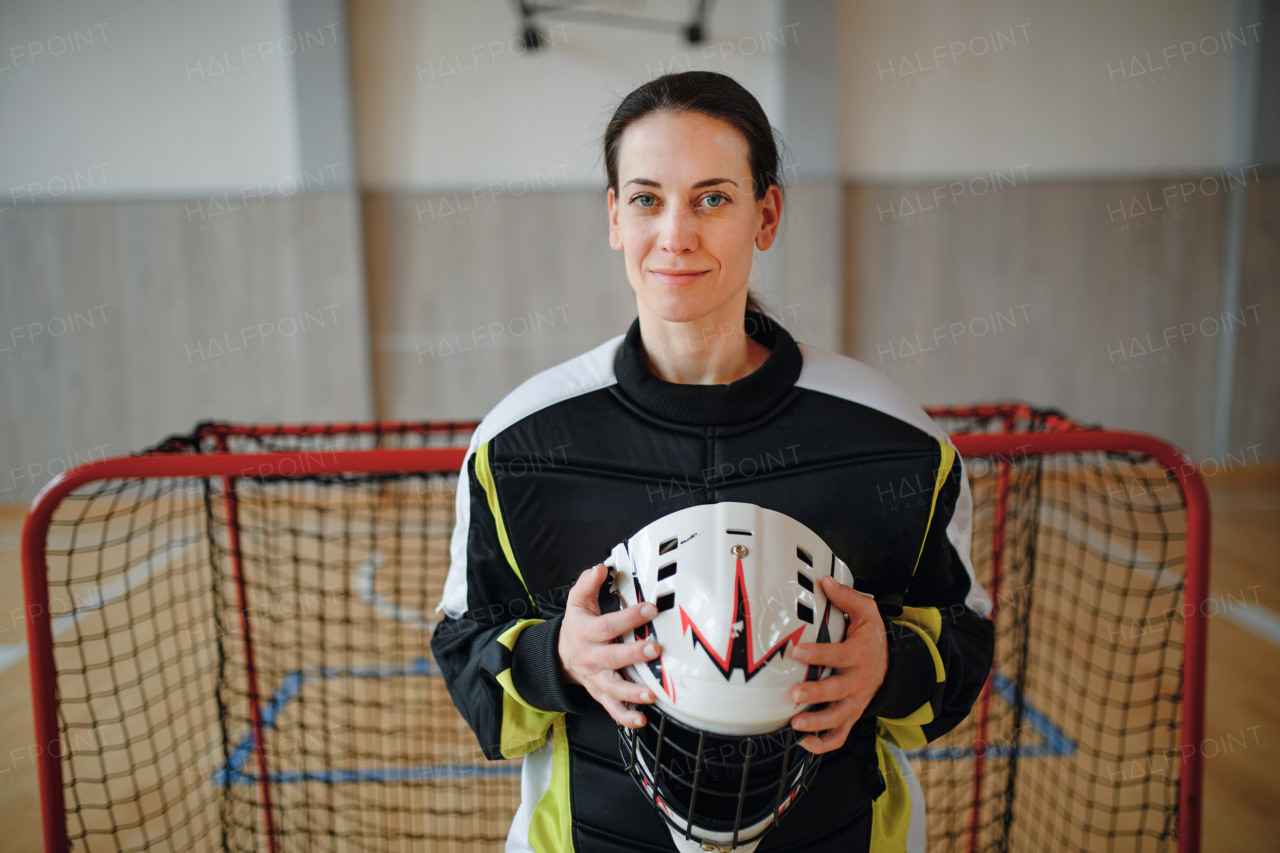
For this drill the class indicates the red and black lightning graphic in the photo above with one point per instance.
(741, 651)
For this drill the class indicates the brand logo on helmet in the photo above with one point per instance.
(741, 651)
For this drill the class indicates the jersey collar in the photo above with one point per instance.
(708, 405)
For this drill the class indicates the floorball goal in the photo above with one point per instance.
(229, 645)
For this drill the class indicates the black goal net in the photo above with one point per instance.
(242, 663)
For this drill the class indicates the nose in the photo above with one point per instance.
(679, 231)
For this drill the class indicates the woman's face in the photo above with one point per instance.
(685, 216)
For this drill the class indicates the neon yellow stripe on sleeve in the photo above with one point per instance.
(524, 727)
(944, 469)
(485, 476)
(891, 811)
(551, 826)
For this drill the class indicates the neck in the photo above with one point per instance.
(711, 350)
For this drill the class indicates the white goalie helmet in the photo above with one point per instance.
(735, 584)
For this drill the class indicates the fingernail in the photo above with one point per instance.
(800, 723)
(648, 611)
(637, 720)
(827, 581)
(800, 654)
(651, 651)
(802, 696)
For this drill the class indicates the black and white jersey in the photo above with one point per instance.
(583, 455)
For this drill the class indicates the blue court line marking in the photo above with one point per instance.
(236, 771)
(1054, 741)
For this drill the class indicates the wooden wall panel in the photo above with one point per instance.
(465, 307)
(1255, 417)
(170, 283)
(1085, 285)
(197, 314)
(804, 286)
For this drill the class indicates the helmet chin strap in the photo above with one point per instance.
(691, 845)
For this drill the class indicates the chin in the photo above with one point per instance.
(683, 306)
(678, 310)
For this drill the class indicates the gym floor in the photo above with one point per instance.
(1241, 785)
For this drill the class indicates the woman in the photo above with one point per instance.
(705, 399)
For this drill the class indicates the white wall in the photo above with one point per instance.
(138, 107)
(443, 99)
(447, 101)
(140, 110)
(1055, 99)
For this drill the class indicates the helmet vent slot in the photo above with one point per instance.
(805, 556)
(804, 581)
(805, 612)
(670, 545)
(666, 602)
(738, 532)
(666, 571)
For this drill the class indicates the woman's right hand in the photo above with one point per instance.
(591, 658)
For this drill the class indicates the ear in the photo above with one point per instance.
(770, 217)
(615, 239)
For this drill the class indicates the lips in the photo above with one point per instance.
(676, 277)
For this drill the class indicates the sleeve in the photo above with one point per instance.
(495, 648)
(940, 642)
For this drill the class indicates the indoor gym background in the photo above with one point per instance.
(403, 207)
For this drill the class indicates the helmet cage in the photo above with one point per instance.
(718, 791)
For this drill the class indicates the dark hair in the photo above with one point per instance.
(716, 95)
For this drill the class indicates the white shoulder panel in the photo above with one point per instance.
(588, 372)
(849, 379)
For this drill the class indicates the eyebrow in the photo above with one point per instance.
(709, 182)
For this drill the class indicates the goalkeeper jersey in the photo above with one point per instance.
(583, 455)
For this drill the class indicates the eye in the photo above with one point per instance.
(644, 200)
(716, 200)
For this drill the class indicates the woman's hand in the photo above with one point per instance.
(859, 665)
(591, 658)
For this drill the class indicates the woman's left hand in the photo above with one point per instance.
(858, 667)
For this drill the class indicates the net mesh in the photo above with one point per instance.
(1073, 743)
(1071, 747)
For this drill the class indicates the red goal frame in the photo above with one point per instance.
(1061, 436)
